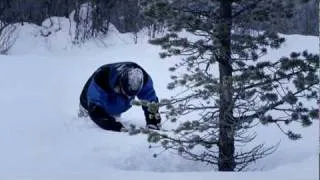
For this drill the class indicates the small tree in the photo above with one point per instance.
(8, 36)
(92, 19)
(8, 33)
(245, 90)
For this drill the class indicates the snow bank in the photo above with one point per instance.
(41, 137)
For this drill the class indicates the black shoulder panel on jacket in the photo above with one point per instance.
(101, 77)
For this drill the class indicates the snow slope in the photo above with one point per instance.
(42, 138)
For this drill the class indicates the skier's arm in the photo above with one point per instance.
(148, 93)
(102, 119)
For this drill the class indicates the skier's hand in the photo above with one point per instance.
(154, 126)
(153, 121)
(153, 118)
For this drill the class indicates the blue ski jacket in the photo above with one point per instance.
(102, 89)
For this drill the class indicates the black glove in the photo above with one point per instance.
(153, 120)
(154, 127)
(104, 120)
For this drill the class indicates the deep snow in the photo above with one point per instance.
(42, 138)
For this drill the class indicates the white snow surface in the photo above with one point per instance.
(41, 136)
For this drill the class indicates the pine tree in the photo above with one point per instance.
(226, 82)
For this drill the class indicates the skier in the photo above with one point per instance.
(110, 90)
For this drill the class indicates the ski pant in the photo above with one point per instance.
(100, 117)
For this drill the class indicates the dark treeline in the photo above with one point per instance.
(121, 13)
(125, 15)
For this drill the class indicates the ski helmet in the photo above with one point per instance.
(131, 81)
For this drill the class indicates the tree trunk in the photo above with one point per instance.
(226, 123)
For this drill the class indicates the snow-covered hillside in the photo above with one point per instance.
(42, 138)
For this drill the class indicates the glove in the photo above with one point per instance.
(103, 120)
(154, 126)
(153, 121)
